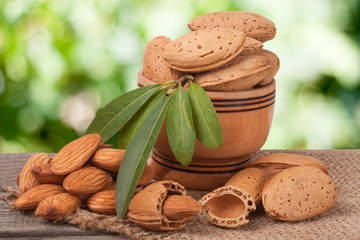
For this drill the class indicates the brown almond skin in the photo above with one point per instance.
(87, 180)
(254, 25)
(32, 198)
(43, 174)
(177, 207)
(26, 179)
(57, 206)
(108, 159)
(298, 193)
(75, 154)
(102, 202)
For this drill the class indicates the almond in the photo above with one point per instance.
(102, 202)
(87, 180)
(26, 179)
(43, 174)
(274, 65)
(204, 50)
(298, 193)
(145, 208)
(75, 154)
(17, 180)
(252, 24)
(276, 162)
(108, 159)
(177, 207)
(241, 73)
(31, 198)
(104, 145)
(57, 206)
(154, 66)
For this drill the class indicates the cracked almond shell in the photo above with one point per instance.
(145, 208)
(230, 205)
(298, 193)
(276, 162)
(241, 73)
(204, 50)
(154, 66)
(254, 25)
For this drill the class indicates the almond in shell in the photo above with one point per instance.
(26, 179)
(57, 206)
(154, 66)
(87, 180)
(75, 154)
(274, 62)
(230, 205)
(252, 46)
(32, 198)
(241, 73)
(276, 162)
(298, 193)
(204, 50)
(146, 207)
(254, 25)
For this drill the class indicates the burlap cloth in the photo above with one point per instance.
(340, 222)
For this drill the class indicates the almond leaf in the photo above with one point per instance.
(207, 125)
(180, 127)
(136, 155)
(128, 131)
(117, 113)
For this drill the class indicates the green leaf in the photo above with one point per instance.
(117, 113)
(180, 127)
(136, 155)
(128, 131)
(207, 125)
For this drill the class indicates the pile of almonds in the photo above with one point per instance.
(224, 52)
(83, 173)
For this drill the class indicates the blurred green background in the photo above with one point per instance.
(60, 61)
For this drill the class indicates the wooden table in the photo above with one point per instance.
(17, 224)
(340, 222)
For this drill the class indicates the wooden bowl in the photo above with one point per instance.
(245, 117)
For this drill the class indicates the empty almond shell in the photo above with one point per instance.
(298, 193)
(276, 162)
(145, 208)
(204, 50)
(230, 205)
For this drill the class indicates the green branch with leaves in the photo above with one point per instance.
(138, 116)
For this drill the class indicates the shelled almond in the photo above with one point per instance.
(56, 186)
